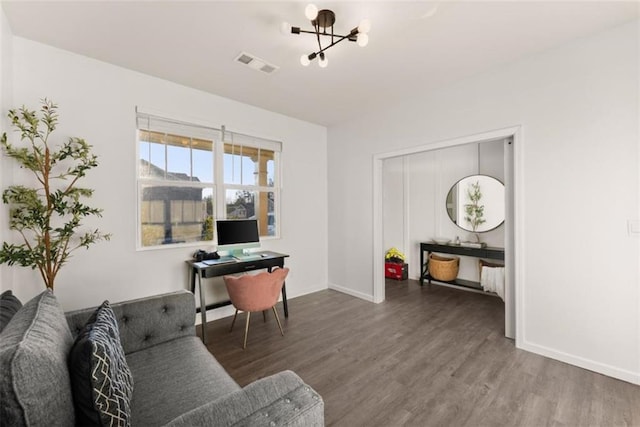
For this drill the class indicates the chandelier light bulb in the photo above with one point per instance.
(304, 60)
(311, 12)
(285, 28)
(363, 39)
(364, 27)
(323, 62)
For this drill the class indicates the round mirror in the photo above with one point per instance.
(476, 203)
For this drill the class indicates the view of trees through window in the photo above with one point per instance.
(178, 193)
(242, 204)
(249, 175)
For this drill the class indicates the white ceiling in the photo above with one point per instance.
(410, 48)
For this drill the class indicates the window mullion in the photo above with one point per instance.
(241, 167)
(159, 182)
(166, 156)
(191, 159)
(218, 154)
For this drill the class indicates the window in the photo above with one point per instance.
(188, 177)
(250, 180)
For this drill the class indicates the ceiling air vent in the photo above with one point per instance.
(256, 63)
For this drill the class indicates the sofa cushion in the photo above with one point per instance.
(100, 377)
(34, 379)
(147, 321)
(282, 399)
(9, 306)
(173, 378)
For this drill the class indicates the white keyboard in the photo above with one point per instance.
(221, 260)
(249, 257)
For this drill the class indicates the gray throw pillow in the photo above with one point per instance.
(34, 378)
(101, 380)
(9, 305)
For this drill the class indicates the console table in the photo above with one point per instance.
(201, 270)
(486, 252)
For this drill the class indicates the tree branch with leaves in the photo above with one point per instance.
(474, 210)
(48, 217)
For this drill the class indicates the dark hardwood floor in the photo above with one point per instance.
(430, 356)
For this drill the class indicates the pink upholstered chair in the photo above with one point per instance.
(257, 292)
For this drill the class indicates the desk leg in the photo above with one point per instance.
(422, 273)
(284, 300)
(203, 309)
(285, 306)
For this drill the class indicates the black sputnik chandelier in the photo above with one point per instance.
(322, 21)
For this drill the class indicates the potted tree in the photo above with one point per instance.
(48, 214)
(474, 210)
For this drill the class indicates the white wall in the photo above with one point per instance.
(5, 103)
(577, 166)
(394, 205)
(97, 102)
(431, 176)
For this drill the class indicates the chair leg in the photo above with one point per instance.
(233, 322)
(264, 315)
(278, 320)
(246, 330)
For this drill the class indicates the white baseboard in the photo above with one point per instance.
(601, 368)
(351, 292)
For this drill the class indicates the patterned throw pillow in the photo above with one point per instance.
(101, 381)
(9, 305)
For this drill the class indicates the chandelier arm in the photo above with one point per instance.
(331, 45)
(323, 20)
(317, 26)
(320, 34)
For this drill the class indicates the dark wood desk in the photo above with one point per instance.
(486, 252)
(268, 260)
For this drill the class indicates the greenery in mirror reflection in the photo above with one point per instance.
(474, 210)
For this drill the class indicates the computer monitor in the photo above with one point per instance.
(237, 235)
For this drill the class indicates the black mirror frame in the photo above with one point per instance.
(449, 212)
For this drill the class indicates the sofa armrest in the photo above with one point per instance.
(279, 400)
(147, 322)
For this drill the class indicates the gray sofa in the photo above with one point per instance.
(177, 382)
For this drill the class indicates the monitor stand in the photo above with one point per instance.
(244, 255)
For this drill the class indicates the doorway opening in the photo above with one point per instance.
(511, 138)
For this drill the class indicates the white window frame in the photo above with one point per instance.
(176, 125)
(241, 139)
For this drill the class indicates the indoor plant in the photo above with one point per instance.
(395, 256)
(48, 214)
(474, 210)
